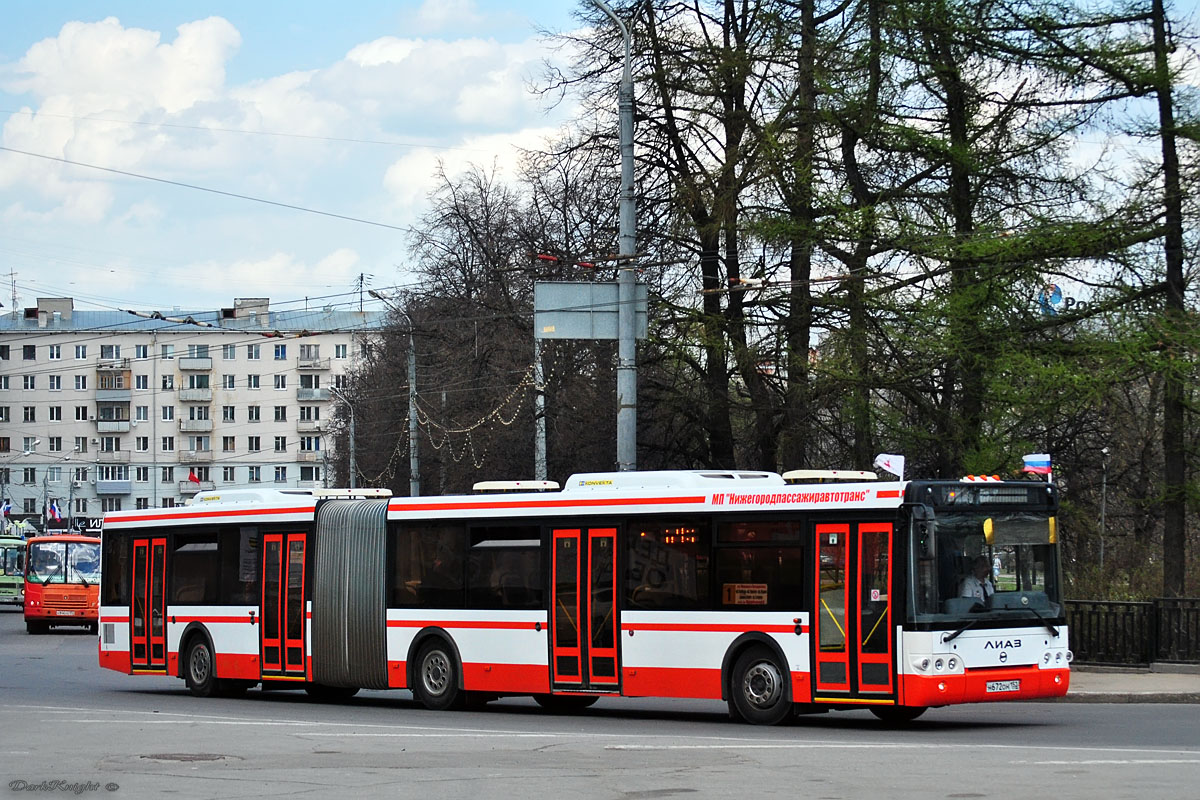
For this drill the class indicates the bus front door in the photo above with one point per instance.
(853, 633)
(583, 640)
(283, 610)
(147, 606)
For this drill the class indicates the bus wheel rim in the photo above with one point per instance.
(762, 685)
(435, 672)
(199, 665)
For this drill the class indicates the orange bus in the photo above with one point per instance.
(62, 581)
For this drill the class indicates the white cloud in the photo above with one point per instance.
(438, 15)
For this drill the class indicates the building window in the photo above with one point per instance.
(167, 352)
(80, 352)
(310, 381)
(341, 351)
(29, 352)
(29, 505)
(227, 474)
(281, 381)
(310, 443)
(253, 414)
(310, 352)
(81, 444)
(341, 381)
(281, 413)
(142, 443)
(30, 413)
(252, 382)
(168, 502)
(167, 475)
(254, 474)
(56, 413)
(55, 351)
(199, 444)
(253, 444)
(141, 382)
(281, 352)
(81, 474)
(110, 351)
(4, 414)
(310, 473)
(281, 474)
(141, 503)
(5, 447)
(141, 351)
(81, 413)
(30, 444)
(4, 382)
(227, 414)
(198, 382)
(228, 382)
(142, 413)
(168, 413)
(168, 383)
(55, 444)
(28, 382)
(227, 444)
(141, 474)
(55, 383)
(81, 383)
(81, 506)
(112, 380)
(54, 474)
(280, 444)
(198, 412)
(168, 444)
(229, 351)
(252, 352)
(197, 351)
(4, 352)
(110, 444)
(310, 413)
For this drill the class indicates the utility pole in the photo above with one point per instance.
(349, 407)
(414, 431)
(626, 275)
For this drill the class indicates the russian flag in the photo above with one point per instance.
(6, 508)
(54, 513)
(1038, 463)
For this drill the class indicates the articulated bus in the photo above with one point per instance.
(62, 581)
(12, 570)
(728, 585)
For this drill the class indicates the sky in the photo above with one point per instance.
(344, 109)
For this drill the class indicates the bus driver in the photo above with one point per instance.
(978, 585)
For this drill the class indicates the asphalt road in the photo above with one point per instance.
(69, 727)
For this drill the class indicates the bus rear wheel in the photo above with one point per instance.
(199, 669)
(898, 715)
(758, 692)
(436, 685)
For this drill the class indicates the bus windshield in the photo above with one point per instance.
(12, 560)
(64, 562)
(980, 565)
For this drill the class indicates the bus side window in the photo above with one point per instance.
(239, 566)
(428, 566)
(115, 569)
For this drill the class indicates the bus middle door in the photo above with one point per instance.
(283, 611)
(583, 643)
(148, 606)
(853, 633)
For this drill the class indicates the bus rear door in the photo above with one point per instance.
(583, 616)
(283, 609)
(853, 633)
(147, 612)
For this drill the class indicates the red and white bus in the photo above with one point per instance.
(717, 584)
(62, 581)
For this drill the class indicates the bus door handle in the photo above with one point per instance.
(799, 627)
(252, 618)
(537, 626)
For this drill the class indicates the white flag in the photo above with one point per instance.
(891, 463)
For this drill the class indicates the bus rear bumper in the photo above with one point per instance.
(984, 686)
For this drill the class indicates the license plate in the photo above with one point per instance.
(1004, 686)
(65, 613)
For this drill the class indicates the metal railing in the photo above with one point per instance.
(1113, 632)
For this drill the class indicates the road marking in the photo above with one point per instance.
(1113, 761)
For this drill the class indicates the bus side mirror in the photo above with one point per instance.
(923, 526)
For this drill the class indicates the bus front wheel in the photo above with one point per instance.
(436, 684)
(758, 692)
(199, 672)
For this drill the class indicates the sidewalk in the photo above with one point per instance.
(1160, 683)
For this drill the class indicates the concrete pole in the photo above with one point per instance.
(353, 464)
(414, 432)
(539, 413)
(626, 277)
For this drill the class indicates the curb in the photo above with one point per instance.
(1131, 697)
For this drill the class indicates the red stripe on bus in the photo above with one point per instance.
(241, 512)
(714, 627)
(117, 660)
(519, 678)
(494, 505)
(888, 493)
(702, 684)
(184, 619)
(464, 623)
(107, 618)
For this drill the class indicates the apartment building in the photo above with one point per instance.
(107, 410)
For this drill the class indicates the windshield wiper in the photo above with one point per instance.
(950, 637)
(1053, 630)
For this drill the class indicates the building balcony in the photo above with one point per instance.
(195, 364)
(308, 455)
(114, 395)
(196, 425)
(312, 394)
(113, 457)
(112, 426)
(195, 395)
(110, 364)
(195, 456)
(114, 487)
(191, 487)
(310, 484)
(312, 363)
(310, 426)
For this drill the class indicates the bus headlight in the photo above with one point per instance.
(939, 665)
(921, 664)
(1070, 656)
(1046, 657)
(952, 663)
(1058, 657)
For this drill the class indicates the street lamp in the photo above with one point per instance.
(353, 465)
(414, 458)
